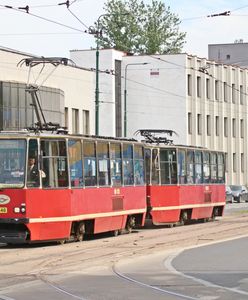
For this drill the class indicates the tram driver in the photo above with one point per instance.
(33, 175)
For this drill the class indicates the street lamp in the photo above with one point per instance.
(125, 95)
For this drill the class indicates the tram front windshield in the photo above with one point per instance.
(12, 163)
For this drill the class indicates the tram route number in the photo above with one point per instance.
(3, 210)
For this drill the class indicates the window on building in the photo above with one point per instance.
(217, 96)
(199, 124)
(75, 121)
(225, 91)
(66, 117)
(242, 128)
(225, 127)
(198, 86)
(234, 163)
(217, 126)
(233, 93)
(189, 123)
(189, 85)
(228, 56)
(226, 162)
(241, 94)
(86, 122)
(233, 127)
(208, 88)
(208, 125)
(242, 162)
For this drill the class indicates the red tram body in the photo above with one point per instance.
(184, 184)
(87, 185)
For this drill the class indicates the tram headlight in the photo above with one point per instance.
(21, 209)
(17, 210)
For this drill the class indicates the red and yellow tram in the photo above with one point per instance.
(60, 187)
(184, 183)
(78, 185)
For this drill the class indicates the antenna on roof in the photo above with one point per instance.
(156, 136)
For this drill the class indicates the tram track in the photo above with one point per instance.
(88, 254)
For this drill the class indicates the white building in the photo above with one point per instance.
(203, 101)
(76, 84)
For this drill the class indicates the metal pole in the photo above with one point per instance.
(97, 90)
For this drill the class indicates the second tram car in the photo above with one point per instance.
(184, 184)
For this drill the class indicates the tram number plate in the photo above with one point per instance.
(3, 210)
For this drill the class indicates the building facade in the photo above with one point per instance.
(203, 101)
(67, 96)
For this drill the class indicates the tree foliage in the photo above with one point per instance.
(135, 27)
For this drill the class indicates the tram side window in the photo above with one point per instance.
(75, 160)
(182, 166)
(89, 150)
(198, 167)
(103, 163)
(115, 164)
(128, 164)
(33, 176)
(190, 167)
(155, 166)
(213, 167)
(54, 161)
(206, 167)
(168, 166)
(138, 165)
(221, 168)
(147, 165)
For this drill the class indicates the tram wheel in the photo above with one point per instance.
(80, 232)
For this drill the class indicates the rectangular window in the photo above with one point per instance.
(138, 165)
(199, 124)
(182, 166)
(75, 160)
(213, 167)
(66, 117)
(189, 85)
(190, 167)
(217, 126)
(128, 164)
(225, 91)
(75, 121)
(198, 167)
(54, 160)
(233, 127)
(233, 93)
(86, 122)
(221, 168)
(189, 123)
(115, 164)
(168, 166)
(217, 90)
(208, 125)
(89, 152)
(208, 88)
(234, 163)
(198, 85)
(103, 163)
(225, 127)
(206, 167)
(242, 128)
(241, 94)
(242, 162)
(226, 162)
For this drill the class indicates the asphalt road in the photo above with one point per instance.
(207, 272)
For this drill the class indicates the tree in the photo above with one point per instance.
(135, 27)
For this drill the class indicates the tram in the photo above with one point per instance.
(79, 185)
(183, 183)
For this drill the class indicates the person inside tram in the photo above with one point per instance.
(33, 172)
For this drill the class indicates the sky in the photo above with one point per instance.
(32, 34)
